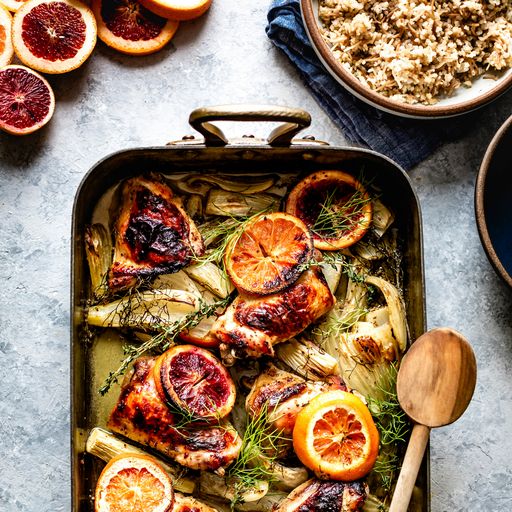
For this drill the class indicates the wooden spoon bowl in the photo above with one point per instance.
(435, 385)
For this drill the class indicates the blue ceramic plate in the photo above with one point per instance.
(493, 202)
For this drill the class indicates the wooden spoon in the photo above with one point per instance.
(435, 384)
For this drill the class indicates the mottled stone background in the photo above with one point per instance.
(116, 102)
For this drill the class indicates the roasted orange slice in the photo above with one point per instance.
(334, 205)
(133, 483)
(195, 381)
(269, 254)
(335, 436)
(128, 27)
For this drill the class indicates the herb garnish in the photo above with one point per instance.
(164, 338)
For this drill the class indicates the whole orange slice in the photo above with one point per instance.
(133, 483)
(6, 49)
(334, 205)
(335, 436)
(53, 36)
(128, 27)
(196, 381)
(180, 10)
(269, 254)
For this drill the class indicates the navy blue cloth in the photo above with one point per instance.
(407, 141)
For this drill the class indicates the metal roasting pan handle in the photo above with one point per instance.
(293, 121)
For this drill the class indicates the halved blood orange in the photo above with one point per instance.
(180, 10)
(135, 483)
(196, 381)
(335, 436)
(130, 28)
(334, 205)
(26, 100)
(53, 36)
(6, 49)
(269, 254)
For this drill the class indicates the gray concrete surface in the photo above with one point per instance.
(116, 102)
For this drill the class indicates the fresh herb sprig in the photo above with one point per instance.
(394, 428)
(219, 234)
(165, 337)
(339, 216)
(261, 444)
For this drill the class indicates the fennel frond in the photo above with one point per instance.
(335, 217)
(260, 445)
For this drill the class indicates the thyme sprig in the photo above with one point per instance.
(164, 337)
(218, 234)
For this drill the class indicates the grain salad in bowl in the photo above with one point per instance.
(431, 57)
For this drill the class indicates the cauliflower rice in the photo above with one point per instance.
(417, 51)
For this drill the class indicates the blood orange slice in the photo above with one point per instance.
(269, 255)
(135, 483)
(26, 100)
(196, 381)
(335, 436)
(128, 27)
(6, 50)
(334, 205)
(53, 36)
(180, 10)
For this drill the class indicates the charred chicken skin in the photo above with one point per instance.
(153, 233)
(325, 496)
(284, 394)
(141, 415)
(252, 325)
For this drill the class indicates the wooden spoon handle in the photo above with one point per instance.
(410, 468)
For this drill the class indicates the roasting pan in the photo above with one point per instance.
(215, 153)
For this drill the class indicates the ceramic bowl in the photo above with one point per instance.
(493, 202)
(482, 92)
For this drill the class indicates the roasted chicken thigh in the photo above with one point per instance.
(325, 496)
(141, 415)
(153, 233)
(284, 394)
(252, 325)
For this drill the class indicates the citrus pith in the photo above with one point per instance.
(6, 49)
(180, 10)
(269, 255)
(335, 436)
(12, 5)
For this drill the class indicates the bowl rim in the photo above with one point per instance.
(349, 81)
(481, 181)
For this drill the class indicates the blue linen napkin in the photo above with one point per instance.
(406, 141)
